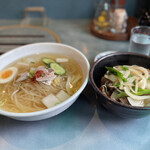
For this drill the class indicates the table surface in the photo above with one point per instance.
(85, 125)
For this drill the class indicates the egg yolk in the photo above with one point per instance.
(6, 74)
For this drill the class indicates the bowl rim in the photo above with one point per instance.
(99, 91)
(62, 104)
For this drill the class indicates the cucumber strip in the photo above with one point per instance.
(47, 61)
(57, 68)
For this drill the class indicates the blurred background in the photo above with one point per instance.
(84, 24)
(65, 9)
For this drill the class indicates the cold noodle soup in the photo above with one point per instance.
(38, 82)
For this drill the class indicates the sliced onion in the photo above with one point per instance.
(114, 95)
(136, 86)
(133, 102)
(147, 102)
(127, 91)
(111, 77)
(148, 85)
(142, 69)
(121, 83)
(142, 83)
(125, 73)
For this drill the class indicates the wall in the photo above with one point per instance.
(57, 9)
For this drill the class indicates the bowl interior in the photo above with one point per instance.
(98, 70)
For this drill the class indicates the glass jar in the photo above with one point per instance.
(101, 19)
(118, 17)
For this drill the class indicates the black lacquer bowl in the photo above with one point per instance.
(97, 72)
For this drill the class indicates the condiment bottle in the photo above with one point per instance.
(118, 17)
(102, 16)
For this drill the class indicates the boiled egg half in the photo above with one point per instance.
(8, 74)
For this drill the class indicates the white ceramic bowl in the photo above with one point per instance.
(20, 52)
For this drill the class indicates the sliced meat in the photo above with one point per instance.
(106, 86)
(44, 75)
(105, 81)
